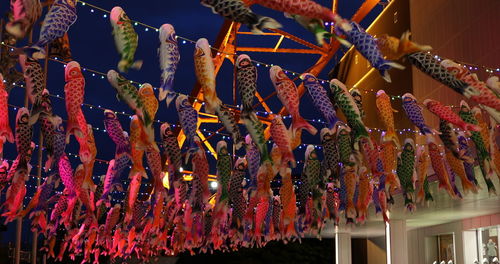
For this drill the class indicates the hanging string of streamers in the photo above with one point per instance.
(102, 75)
(92, 8)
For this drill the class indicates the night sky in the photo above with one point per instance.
(92, 46)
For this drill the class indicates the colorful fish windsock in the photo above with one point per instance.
(237, 11)
(421, 167)
(330, 166)
(58, 137)
(224, 167)
(61, 15)
(112, 179)
(306, 8)
(148, 97)
(235, 192)
(483, 155)
(228, 119)
(289, 97)
(485, 96)
(394, 48)
(457, 167)
(136, 152)
(358, 98)
(344, 100)
(445, 113)
(365, 194)
(288, 199)
(414, 113)
(205, 73)
(255, 130)
(172, 151)
(5, 130)
(116, 133)
(126, 39)
(24, 15)
(33, 77)
(74, 91)
(169, 55)
(253, 159)
(367, 46)
(280, 136)
(315, 26)
(320, 98)
(127, 92)
(386, 111)
(406, 173)
(429, 64)
(439, 167)
(42, 108)
(449, 138)
(246, 81)
(466, 148)
(15, 193)
(188, 117)
(388, 154)
(24, 134)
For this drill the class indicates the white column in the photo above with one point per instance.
(470, 243)
(397, 243)
(342, 246)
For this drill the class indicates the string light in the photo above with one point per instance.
(470, 66)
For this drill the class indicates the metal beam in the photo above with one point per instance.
(299, 40)
(207, 144)
(279, 43)
(364, 9)
(261, 34)
(281, 33)
(263, 102)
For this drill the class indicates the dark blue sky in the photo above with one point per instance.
(92, 46)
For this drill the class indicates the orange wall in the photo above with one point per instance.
(462, 30)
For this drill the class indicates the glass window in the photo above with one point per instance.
(488, 245)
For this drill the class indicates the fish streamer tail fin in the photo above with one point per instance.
(427, 130)
(408, 46)
(428, 197)
(170, 96)
(332, 121)
(391, 136)
(491, 187)
(261, 22)
(384, 71)
(73, 128)
(35, 52)
(123, 65)
(421, 193)
(472, 127)
(468, 186)
(301, 123)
